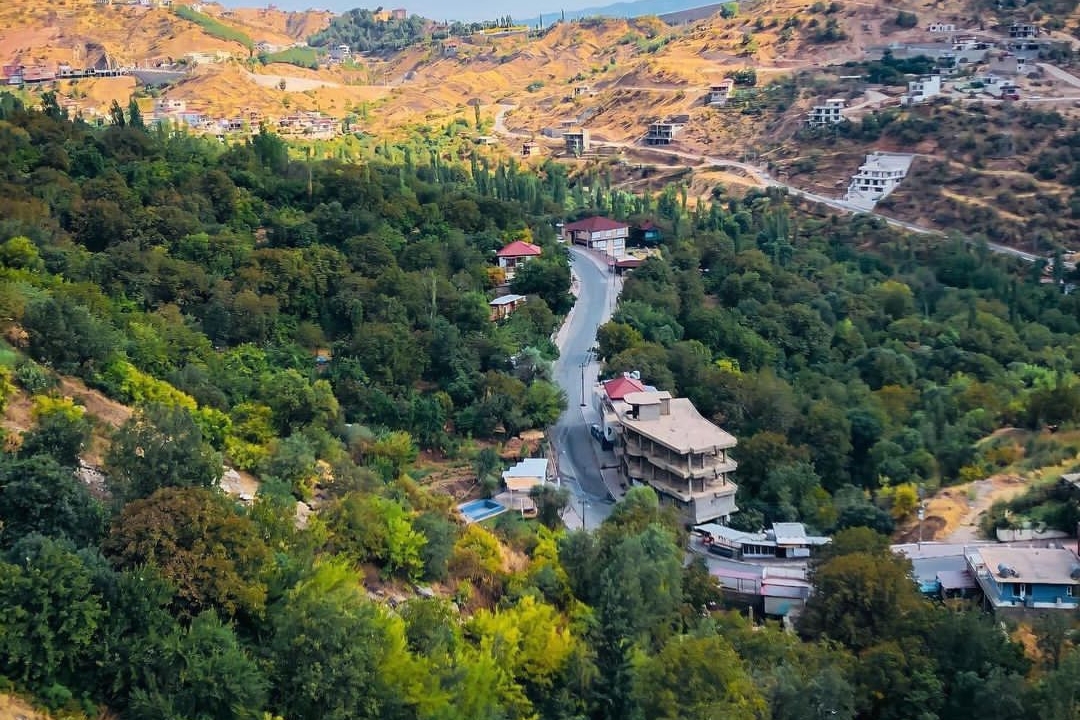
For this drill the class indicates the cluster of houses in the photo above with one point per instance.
(248, 120)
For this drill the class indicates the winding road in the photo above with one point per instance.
(764, 178)
(576, 370)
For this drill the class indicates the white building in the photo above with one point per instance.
(940, 27)
(921, 90)
(720, 93)
(877, 177)
(830, 113)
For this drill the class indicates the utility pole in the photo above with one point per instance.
(584, 364)
(583, 514)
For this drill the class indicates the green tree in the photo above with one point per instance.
(38, 495)
(214, 556)
(321, 669)
(159, 447)
(50, 614)
(697, 678)
(61, 431)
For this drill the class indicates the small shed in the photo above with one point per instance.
(501, 307)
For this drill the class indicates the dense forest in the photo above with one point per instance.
(363, 33)
(853, 362)
(319, 323)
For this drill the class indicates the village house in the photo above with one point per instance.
(876, 178)
(449, 48)
(168, 106)
(519, 481)
(340, 53)
(665, 443)
(830, 113)
(921, 90)
(515, 255)
(577, 141)
(599, 233)
(783, 540)
(662, 133)
(502, 307)
(529, 148)
(940, 27)
(1018, 579)
(265, 46)
(646, 233)
(1023, 31)
(720, 93)
(1008, 63)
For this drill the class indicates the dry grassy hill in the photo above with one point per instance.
(82, 32)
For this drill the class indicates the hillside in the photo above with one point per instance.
(86, 34)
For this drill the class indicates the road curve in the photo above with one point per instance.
(575, 370)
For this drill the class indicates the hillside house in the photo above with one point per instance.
(1017, 579)
(1023, 31)
(599, 233)
(720, 93)
(519, 481)
(399, 14)
(515, 255)
(921, 90)
(665, 443)
(449, 48)
(782, 540)
(940, 27)
(340, 53)
(265, 46)
(646, 233)
(168, 106)
(502, 307)
(577, 141)
(1007, 63)
(662, 133)
(877, 177)
(830, 113)
(529, 148)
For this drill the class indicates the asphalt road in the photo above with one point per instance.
(579, 467)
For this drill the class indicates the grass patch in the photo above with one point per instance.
(300, 57)
(213, 27)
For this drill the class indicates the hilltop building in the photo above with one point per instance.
(1018, 579)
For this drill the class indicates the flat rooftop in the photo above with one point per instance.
(683, 429)
(1051, 566)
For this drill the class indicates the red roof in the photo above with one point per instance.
(596, 224)
(620, 387)
(519, 248)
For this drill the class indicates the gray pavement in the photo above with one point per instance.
(576, 370)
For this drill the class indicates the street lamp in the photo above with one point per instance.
(583, 365)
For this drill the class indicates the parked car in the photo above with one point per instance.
(598, 434)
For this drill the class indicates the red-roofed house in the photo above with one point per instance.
(599, 233)
(515, 255)
(608, 397)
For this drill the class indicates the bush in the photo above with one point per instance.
(906, 19)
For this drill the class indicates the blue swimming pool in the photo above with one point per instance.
(477, 510)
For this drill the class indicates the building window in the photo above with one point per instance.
(1069, 589)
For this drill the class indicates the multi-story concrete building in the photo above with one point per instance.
(662, 133)
(877, 177)
(665, 443)
(921, 90)
(577, 141)
(598, 233)
(830, 113)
